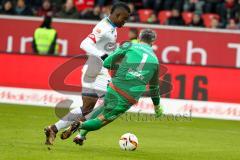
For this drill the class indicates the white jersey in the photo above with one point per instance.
(103, 36)
(101, 41)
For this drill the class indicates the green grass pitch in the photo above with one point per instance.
(22, 138)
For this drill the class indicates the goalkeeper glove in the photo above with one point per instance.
(103, 57)
(158, 111)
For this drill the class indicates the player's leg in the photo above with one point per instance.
(100, 86)
(64, 122)
(88, 105)
(114, 106)
(83, 133)
(89, 100)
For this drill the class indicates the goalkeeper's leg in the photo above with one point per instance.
(83, 133)
(115, 105)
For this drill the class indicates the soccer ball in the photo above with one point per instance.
(128, 142)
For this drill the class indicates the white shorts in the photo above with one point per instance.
(94, 79)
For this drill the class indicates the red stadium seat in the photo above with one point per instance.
(144, 14)
(208, 17)
(84, 4)
(187, 17)
(163, 16)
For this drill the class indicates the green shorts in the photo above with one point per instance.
(114, 105)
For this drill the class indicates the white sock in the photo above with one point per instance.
(62, 124)
(81, 137)
(69, 118)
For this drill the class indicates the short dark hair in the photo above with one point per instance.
(120, 5)
(46, 22)
(147, 35)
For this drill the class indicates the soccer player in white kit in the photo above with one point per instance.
(97, 45)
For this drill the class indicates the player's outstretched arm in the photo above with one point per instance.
(89, 43)
(89, 47)
(114, 58)
(155, 94)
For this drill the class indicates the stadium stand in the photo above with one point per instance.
(215, 14)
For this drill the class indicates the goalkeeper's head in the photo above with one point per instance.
(147, 36)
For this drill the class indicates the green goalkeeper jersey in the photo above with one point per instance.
(136, 67)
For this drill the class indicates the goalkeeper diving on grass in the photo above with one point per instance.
(139, 67)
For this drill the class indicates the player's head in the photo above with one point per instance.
(147, 36)
(46, 22)
(120, 13)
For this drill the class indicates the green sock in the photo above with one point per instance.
(95, 112)
(83, 133)
(92, 124)
(92, 115)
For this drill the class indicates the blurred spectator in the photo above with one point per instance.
(226, 11)
(34, 4)
(197, 21)
(105, 11)
(133, 35)
(22, 8)
(238, 24)
(96, 13)
(153, 19)
(175, 19)
(91, 14)
(46, 9)
(194, 6)
(173, 4)
(68, 11)
(57, 5)
(100, 3)
(232, 24)
(155, 4)
(45, 38)
(8, 8)
(215, 23)
(134, 15)
(210, 6)
(237, 9)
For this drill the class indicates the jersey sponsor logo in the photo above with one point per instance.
(92, 37)
(110, 46)
(137, 74)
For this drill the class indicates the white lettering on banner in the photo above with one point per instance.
(49, 98)
(166, 52)
(39, 97)
(64, 44)
(179, 37)
(9, 44)
(218, 110)
(24, 41)
(237, 47)
(191, 51)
